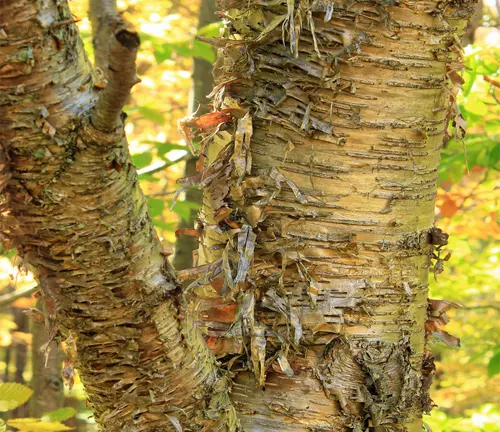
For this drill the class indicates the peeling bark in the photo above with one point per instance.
(202, 86)
(319, 189)
(78, 218)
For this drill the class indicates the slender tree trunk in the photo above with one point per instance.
(475, 21)
(202, 87)
(47, 381)
(21, 356)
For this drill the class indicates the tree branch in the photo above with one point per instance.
(11, 297)
(492, 81)
(115, 53)
(101, 13)
(121, 74)
(152, 169)
(492, 306)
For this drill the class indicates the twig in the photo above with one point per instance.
(155, 169)
(159, 194)
(492, 81)
(494, 307)
(122, 77)
(9, 298)
(115, 53)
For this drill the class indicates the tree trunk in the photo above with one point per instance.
(475, 22)
(46, 382)
(319, 208)
(202, 86)
(21, 356)
(317, 238)
(78, 218)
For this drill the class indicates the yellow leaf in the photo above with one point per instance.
(13, 395)
(35, 425)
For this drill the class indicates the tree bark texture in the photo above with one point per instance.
(319, 168)
(73, 208)
(319, 183)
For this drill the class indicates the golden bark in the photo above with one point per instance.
(72, 206)
(319, 167)
(319, 190)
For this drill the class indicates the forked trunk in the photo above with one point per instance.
(71, 204)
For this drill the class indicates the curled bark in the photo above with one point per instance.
(319, 186)
(202, 86)
(75, 212)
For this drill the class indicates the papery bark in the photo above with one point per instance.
(72, 206)
(318, 214)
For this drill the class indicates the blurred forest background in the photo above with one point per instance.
(175, 69)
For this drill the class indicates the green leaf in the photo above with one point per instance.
(204, 51)
(167, 226)
(210, 30)
(156, 207)
(151, 114)
(487, 68)
(13, 395)
(148, 178)
(35, 425)
(186, 48)
(141, 160)
(476, 106)
(3, 426)
(469, 77)
(184, 208)
(163, 52)
(495, 156)
(164, 147)
(59, 415)
(494, 365)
